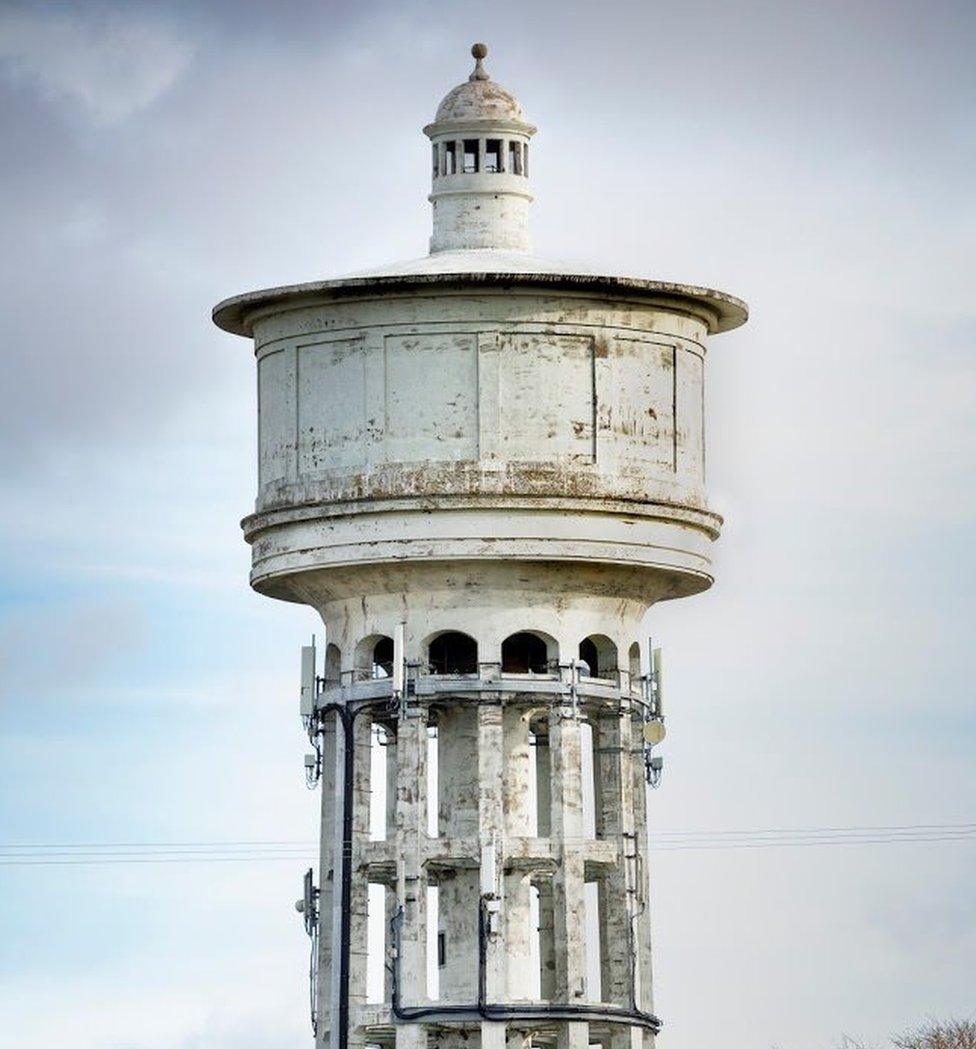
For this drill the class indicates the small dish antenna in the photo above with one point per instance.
(654, 732)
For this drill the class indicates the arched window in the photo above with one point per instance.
(374, 657)
(528, 653)
(383, 657)
(333, 661)
(453, 653)
(599, 654)
(634, 660)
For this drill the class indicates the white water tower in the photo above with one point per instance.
(482, 470)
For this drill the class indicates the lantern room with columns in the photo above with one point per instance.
(480, 166)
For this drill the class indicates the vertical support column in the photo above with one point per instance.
(569, 913)
(573, 1035)
(567, 830)
(517, 933)
(411, 887)
(547, 941)
(359, 895)
(616, 816)
(491, 838)
(391, 784)
(457, 771)
(327, 985)
(517, 756)
(644, 989)
(615, 822)
(543, 780)
(390, 905)
(458, 746)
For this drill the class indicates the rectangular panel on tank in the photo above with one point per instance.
(640, 403)
(431, 396)
(331, 406)
(546, 398)
(689, 398)
(276, 416)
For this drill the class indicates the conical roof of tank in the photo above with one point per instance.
(479, 100)
(479, 97)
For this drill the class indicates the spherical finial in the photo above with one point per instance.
(479, 51)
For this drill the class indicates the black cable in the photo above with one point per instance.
(507, 1010)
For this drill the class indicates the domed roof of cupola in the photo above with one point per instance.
(479, 97)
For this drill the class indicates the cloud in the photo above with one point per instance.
(110, 63)
(63, 642)
(161, 155)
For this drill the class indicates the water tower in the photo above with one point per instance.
(482, 469)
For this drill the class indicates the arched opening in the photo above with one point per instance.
(453, 653)
(383, 657)
(633, 658)
(599, 654)
(333, 665)
(374, 657)
(528, 652)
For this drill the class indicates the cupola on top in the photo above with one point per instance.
(479, 97)
(480, 141)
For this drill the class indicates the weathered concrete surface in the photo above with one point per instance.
(483, 443)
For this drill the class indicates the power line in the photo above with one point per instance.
(822, 830)
(151, 844)
(91, 853)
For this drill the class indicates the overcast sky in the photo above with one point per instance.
(815, 159)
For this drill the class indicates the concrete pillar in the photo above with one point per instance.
(543, 782)
(359, 890)
(390, 907)
(642, 926)
(613, 759)
(491, 818)
(573, 1035)
(518, 936)
(411, 1036)
(517, 757)
(458, 820)
(547, 941)
(622, 1037)
(458, 923)
(411, 887)
(391, 783)
(493, 1035)
(326, 991)
(569, 915)
(457, 771)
